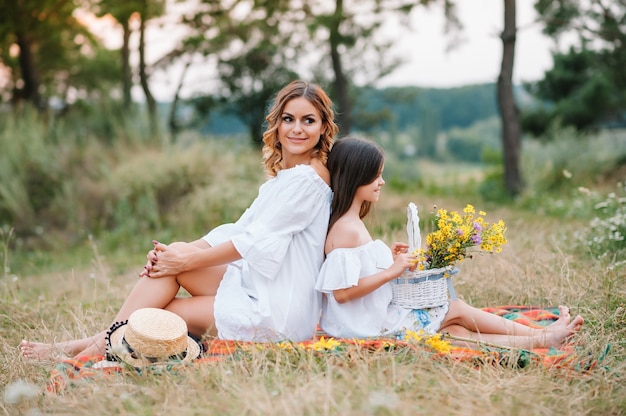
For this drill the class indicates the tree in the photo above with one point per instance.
(121, 11)
(509, 113)
(247, 50)
(257, 50)
(148, 9)
(355, 46)
(40, 43)
(586, 87)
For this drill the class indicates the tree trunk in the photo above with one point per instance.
(509, 113)
(344, 113)
(173, 123)
(143, 76)
(30, 91)
(127, 81)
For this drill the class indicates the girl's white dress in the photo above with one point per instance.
(269, 294)
(374, 314)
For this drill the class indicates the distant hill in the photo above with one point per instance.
(401, 108)
(410, 106)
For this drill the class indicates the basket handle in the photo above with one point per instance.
(413, 227)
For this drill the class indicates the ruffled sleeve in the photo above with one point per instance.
(222, 233)
(340, 270)
(287, 207)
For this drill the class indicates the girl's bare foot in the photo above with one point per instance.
(564, 317)
(557, 334)
(40, 351)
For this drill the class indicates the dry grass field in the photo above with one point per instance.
(541, 265)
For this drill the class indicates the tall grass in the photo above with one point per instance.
(60, 187)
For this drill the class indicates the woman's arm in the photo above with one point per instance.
(172, 262)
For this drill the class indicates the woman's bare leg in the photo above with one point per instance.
(36, 351)
(197, 310)
(469, 322)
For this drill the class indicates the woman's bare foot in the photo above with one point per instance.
(40, 351)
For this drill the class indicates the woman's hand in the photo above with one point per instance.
(170, 262)
(165, 261)
(152, 259)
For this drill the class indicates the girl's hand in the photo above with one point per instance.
(402, 262)
(399, 248)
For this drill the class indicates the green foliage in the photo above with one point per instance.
(558, 172)
(571, 157)
(55, 49)
(578, 92)
(410, 106)
(31, 167)
(472, 143)
(585, 88)
(492, 189)
(64, 184)
(606, 235)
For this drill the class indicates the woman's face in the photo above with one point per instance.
(371, 191)
(299, 131)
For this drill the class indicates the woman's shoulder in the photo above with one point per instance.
(316, 172)
(321, 170)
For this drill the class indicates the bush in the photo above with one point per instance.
(606, 235)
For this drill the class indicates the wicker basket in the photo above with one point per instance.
(421, 289)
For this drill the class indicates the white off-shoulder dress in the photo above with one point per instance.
(373, 314)
(269, 295)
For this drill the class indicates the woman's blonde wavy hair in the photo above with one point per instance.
(272, 152)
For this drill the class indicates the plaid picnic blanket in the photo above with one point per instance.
(76, 370)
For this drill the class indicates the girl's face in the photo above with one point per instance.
(299, 131)
(371, 191)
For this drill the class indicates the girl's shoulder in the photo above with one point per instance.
(347, 235)
(371, 249)
(342, 236)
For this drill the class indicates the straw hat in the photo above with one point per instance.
(151, 336)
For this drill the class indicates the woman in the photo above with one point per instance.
(356, 273)
(252, 280)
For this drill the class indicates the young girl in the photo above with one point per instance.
(252, 280)
(356, 273)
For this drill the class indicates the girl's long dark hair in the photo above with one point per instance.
(352, 162)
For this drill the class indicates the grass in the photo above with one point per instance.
(536, 268)
(59, 294)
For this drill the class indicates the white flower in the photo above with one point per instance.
(20, 390)
(119, 350)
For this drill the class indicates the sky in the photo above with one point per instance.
(475, 59)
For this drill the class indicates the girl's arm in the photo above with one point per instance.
(367, 285)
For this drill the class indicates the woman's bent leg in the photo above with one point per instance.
(161, 293)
